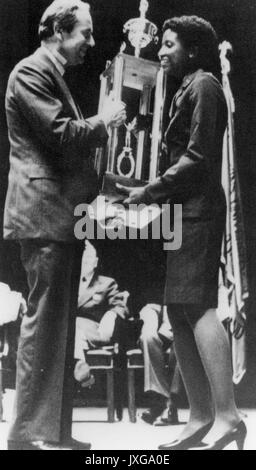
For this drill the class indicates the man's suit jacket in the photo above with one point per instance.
(100, 296)
(50, 143)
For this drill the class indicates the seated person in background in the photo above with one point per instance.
(12, 308)
(100, 304)
(12, 304)
(163, 386)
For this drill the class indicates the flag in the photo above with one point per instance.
(233, 290)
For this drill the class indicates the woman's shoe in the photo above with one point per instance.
(184, 444)
(237, 434)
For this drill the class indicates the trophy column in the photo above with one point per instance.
(99, 156)
(157, 125)
(117, 94)
(144, 110)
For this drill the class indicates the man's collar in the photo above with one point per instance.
(56, 58)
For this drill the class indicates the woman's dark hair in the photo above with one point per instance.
(61, 13)
(195, 32)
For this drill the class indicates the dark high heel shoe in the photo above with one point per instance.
(237, 434)
(184, 444)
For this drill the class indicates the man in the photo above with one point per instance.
(49, 175)
(162, 386)
(100, 304)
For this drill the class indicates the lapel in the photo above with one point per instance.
(98, 285)
(87, 293)
(67, 93)
(43, 57)
(185, 83)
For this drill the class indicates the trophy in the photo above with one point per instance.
(128, 160)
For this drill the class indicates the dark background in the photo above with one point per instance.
(234, 20)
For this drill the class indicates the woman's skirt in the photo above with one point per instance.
(193, 270)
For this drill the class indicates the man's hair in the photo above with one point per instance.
(62, 13)
(195, 32)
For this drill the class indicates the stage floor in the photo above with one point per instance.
(90, 424)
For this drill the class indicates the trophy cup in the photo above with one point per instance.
(133, 164)
(141, 31)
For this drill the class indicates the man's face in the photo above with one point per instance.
(173, 55)
(73, 46)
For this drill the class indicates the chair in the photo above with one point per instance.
(113, 359)
(4, 348)
(107, 358)
(135, 360)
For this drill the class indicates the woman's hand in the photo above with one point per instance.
(135, 195)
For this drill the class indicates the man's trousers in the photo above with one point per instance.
(44, 382)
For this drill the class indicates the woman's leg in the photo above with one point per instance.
(192, 371)
(214, 351)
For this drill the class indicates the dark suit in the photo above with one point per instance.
(100, 296)
(49, 175)
(194, 140)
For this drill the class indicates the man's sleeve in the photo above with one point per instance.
(194, 164)
(37, 100)
(117, 300)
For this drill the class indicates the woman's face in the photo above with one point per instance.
(174, 57)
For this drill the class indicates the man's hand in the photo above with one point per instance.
(135, 195)
(113, 112)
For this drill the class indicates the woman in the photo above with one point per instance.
(194, 138)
